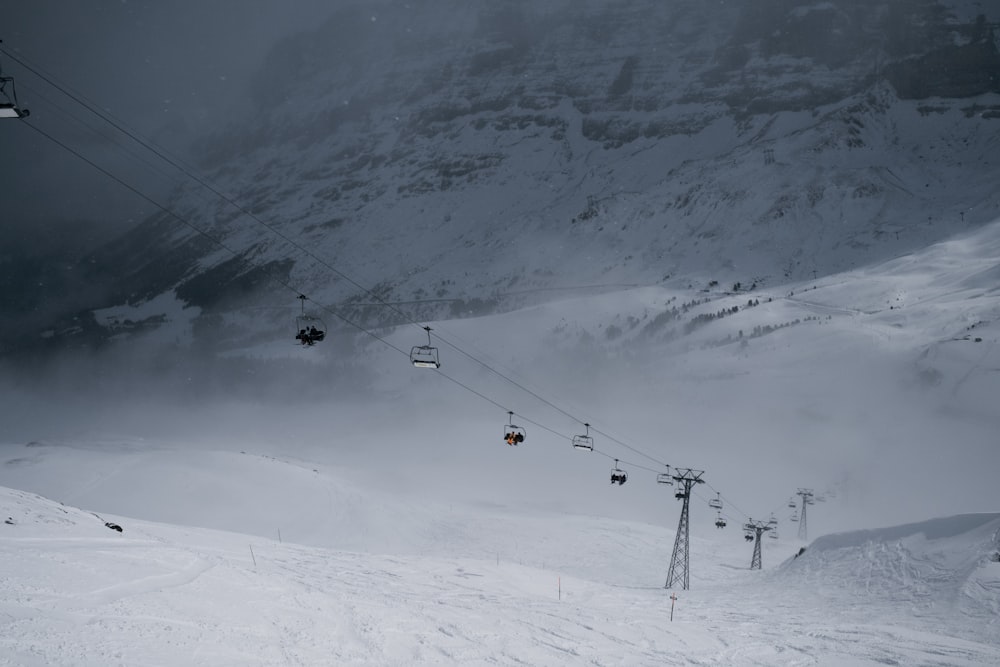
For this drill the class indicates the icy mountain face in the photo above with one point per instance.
(456, 152)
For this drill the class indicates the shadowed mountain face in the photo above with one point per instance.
(455, 153)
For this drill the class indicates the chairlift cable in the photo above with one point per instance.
(360, 328)
(208, 186)
(288, 286)
(77, 124)
(205, 184)
(202, 232)
(108, 118)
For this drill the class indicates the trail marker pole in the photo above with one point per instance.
(252, 556)
(560, 587)
(673, 599)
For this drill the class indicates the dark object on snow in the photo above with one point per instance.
(995, 557)
(801, 551)
(113, 526)
(9, 521)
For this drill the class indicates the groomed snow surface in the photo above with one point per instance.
(466, 586)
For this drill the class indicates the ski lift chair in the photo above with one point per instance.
(680, 494)
(8, 100)
(665, 477)
(748, 536)
(794, 517)
(773, 533)
(618, 475)
(512, 434)
(425, 356)
(716, 502)
(720, 522)
(584, 442)
(309, 329)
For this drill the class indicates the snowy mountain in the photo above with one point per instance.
(459, 157)
(758, 239)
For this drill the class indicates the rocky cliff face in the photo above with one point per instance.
(459, 155)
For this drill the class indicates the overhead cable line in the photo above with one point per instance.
(176, 164)
(202, 232)
(205, 184)
(305, 251)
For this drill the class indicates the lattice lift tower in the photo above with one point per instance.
(680, 561)
(756, 529)
(807, 499)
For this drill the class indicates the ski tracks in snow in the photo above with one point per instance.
(73, 594)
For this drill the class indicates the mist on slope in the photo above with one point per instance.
(817, 406)
(761, 422)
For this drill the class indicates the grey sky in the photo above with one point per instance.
(166, 70)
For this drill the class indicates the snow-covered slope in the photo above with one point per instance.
(941, 567)
(76, 592)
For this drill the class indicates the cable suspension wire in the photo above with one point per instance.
(88, 127)
(204, 183)
(189, 172)
(211, 188)
(108, 118)
(247, 263)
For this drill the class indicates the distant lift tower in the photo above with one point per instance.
(680, 561)
(756, 528)
(807, 499)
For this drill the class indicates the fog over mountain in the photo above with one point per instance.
(457, 150)
(753, 237)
